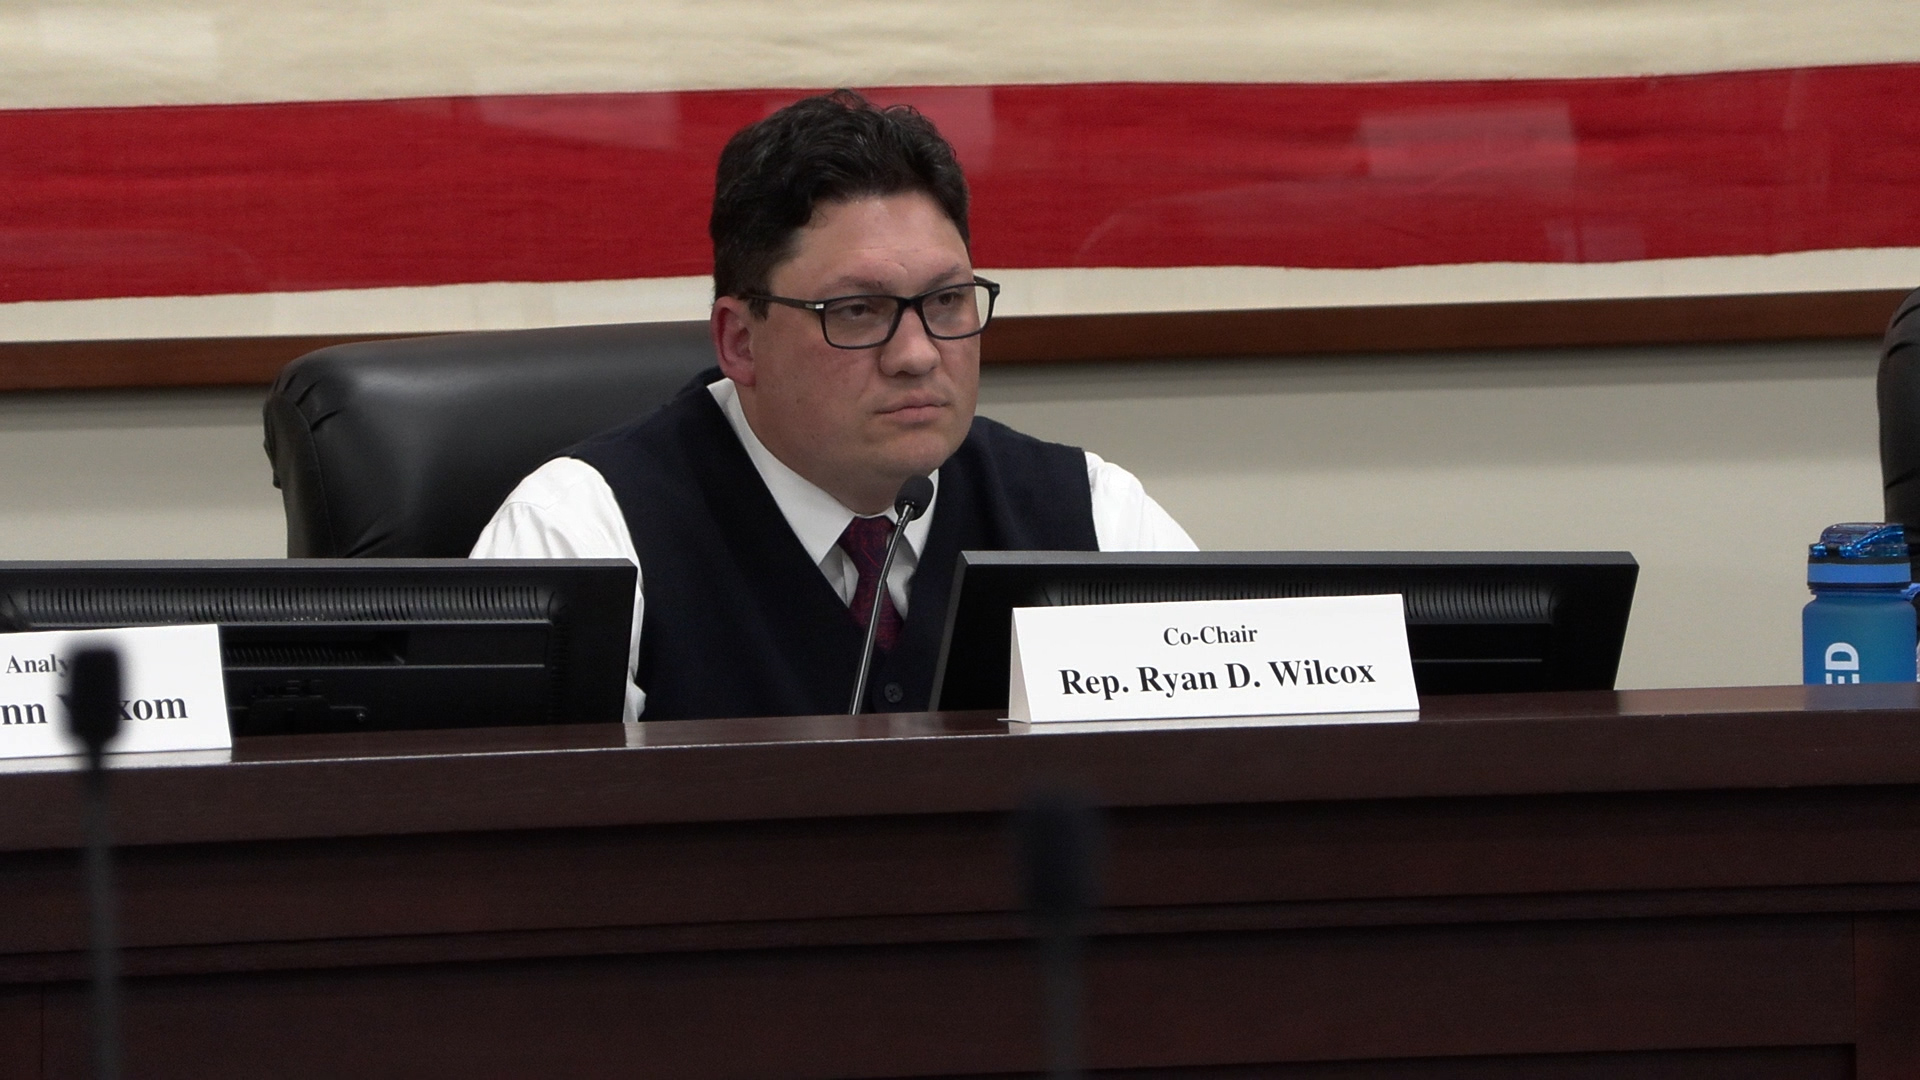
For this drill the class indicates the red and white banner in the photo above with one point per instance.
(337, 167)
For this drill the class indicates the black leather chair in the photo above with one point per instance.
(1899, 393)
(405, 448)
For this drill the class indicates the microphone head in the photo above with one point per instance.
(914, 496)
(93, 698)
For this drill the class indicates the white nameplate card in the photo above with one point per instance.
(172, 694)
(1211, 658)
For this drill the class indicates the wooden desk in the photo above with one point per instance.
(1658, 884)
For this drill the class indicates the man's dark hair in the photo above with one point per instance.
(829, 148)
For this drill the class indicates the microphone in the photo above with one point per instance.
(93, 717)
(912, 501)
(1059, 836)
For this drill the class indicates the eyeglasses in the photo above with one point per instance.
(949, 313)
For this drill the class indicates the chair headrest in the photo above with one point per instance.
(405, 448)
(1899, 401)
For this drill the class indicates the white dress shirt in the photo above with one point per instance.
(565, 510)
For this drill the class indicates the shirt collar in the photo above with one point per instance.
(816, 517)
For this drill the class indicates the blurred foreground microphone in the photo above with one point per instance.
(912, 501)
(1059, 848)
(93, 717)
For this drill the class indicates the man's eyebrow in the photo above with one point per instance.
(855, 285)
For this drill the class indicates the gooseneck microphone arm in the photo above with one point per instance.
(912, 502)
(93, 717)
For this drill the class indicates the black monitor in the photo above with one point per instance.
(315, 645)
(1477, 622)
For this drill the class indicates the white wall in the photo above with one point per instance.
(163, 474)
(1714, 466)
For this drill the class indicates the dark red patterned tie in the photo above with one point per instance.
(865, 542)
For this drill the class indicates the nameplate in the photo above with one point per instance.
(1319, 656)
(172, 694)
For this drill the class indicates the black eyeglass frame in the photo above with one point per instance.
(819, 308)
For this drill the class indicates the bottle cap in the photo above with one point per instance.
(1860, 553)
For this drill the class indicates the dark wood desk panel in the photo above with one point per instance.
(1673, 883)
(20, 1012)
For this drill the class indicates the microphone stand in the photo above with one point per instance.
(912, 501)
(93, 717)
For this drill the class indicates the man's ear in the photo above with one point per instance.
(733, 339)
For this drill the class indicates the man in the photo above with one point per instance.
(756, 504)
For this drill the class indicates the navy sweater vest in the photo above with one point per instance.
(740, 622)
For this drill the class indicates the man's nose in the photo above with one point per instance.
(912, 351)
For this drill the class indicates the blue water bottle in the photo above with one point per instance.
(1859, 626)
